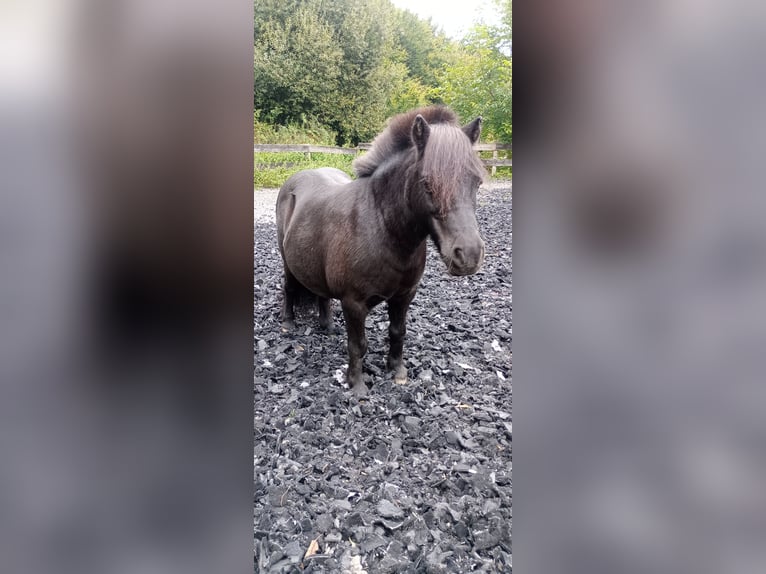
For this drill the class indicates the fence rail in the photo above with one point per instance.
(308, 149)
(304, 148)
(493, 147)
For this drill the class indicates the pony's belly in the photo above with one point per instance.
(329, 253)
(305, 260)
(313, 283)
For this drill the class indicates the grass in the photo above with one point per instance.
(503, 173)
(273, 169)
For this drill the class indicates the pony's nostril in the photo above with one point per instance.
(457, 255)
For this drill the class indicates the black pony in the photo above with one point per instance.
(364, 241)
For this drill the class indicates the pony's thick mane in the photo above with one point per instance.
(397, 137)
(448, 154)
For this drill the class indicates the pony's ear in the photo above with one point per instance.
(473, 130)
(420, 133)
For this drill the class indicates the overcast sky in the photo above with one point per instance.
(455, 17)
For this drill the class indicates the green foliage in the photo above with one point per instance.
(310, 132)
(408, 93)
(504, 173)
(420, 47)
(273, 169)
(479, 79)
(421, 53)
(368, 41)
(332, 61)
(296, 65)
(333, 71)
(506, 8)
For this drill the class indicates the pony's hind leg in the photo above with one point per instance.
(290, 291)
(325, 314)
(355, 314)
(397, 329)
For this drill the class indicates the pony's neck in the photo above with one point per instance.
(391, 188)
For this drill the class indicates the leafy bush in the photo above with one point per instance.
(479, 82)
(309, 132)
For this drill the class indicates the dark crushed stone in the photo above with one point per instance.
(388, 509)
(293, 550)
(439, 449)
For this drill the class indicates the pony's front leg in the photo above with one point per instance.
(355, 314)
(397, 329)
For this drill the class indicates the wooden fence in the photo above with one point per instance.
(308, 149)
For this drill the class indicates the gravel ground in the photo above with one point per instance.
(415, 477)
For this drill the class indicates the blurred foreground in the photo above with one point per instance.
(640, 288)
(126, 334)
(126, 289)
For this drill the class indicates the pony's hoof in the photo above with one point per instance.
(400, 377)
(330, 329)
(360, 390)
(288, 326)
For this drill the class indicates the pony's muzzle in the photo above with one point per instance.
(466, 257)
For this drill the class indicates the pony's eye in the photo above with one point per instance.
(427, 187)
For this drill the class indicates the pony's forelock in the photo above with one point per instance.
(448, 155)
(397, 137)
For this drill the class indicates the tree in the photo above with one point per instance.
(421, 47)
(348, 65)
(329, 61)
(407, 93)
(479, 79)
(423, 52)
(364, 31)
(296, 66)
